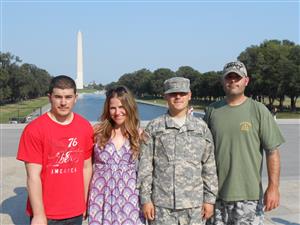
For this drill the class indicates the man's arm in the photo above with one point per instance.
(144, 181)
(87, 174)
(209, 176)
(272, 195)
(35, 193)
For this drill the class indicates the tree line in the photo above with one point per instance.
(273, 68)
(21, 81)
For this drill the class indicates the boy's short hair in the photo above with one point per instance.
(62, 82)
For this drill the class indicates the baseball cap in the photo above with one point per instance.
(235, 67)
(177, 84)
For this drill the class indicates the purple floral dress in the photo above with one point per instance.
(113, 197)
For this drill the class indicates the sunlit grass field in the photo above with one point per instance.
(24, 108)
(21, 109)
(200, 105)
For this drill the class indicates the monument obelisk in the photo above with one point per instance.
(79, 79)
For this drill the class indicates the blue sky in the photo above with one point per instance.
(124, 36)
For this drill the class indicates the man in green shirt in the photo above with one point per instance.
(242, 128)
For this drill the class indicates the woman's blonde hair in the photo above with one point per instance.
(103, 130)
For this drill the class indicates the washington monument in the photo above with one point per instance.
(79, 79)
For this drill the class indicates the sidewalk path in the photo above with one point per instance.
(13, 177)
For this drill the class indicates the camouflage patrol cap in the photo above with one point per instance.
(177, 84)
(235, 67)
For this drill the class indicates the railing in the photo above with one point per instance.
(23, 115)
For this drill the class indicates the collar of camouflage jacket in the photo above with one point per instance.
(189, 124)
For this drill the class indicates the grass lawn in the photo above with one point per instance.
(288, 115)
(200, 105)
(21, 109)
(86, 90)
(24, 108)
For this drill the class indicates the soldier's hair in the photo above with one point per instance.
(130, 129)
(62, 82)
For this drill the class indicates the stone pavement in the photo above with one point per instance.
(289, 211)
(13, 178)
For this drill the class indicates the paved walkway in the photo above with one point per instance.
(13, 183)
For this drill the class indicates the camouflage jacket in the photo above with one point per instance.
(177, 165)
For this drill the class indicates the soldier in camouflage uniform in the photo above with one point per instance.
(177, 172)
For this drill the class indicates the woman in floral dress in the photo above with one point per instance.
(113, 197)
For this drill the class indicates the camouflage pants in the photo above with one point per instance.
(164, 216)
(237, 213)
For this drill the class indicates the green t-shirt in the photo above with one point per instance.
(240, 135)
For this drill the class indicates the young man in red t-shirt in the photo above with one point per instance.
(56, 148)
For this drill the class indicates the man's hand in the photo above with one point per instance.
(148, 210)
(85, 215)
(207, 210)
(271, 198)
(39, 220)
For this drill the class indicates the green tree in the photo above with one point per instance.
(291, 76)
(273, 67)
(144, 82)
(190, 73)
(8, 66)
(209, 86)
(19, 82)
(157, 84)
(130, 80)
(111, 85)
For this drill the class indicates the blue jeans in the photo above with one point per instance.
(77, 220)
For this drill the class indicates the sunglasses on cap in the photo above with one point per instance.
(118, 90)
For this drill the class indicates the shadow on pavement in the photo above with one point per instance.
(15, 206)
(282, 221)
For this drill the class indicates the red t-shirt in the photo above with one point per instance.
(61, 150)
